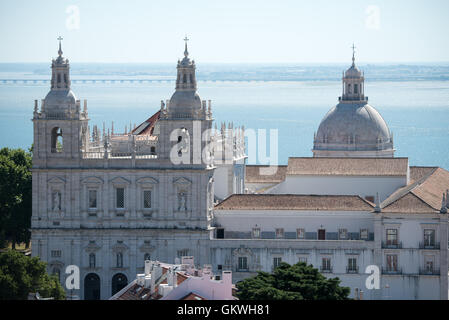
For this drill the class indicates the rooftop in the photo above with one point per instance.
(295, 202)
(422, 195)
(348, 166)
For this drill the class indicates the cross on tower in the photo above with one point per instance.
(186, 53)
(353, 52)
(60, 50)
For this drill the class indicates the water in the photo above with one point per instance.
(413, 99)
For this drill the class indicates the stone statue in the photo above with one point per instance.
(56, 201)
(182, 203)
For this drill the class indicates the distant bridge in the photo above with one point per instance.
(43, 81)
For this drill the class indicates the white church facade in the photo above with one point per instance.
(107, 202)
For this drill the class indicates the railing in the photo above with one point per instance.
(391, 271)
(118, 155)
(391, 245)
(426, 271)
(435, 245)
(352, 269)
(326, 269)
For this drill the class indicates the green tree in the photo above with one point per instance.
(20, 275)
(15, 196)
(292, 282)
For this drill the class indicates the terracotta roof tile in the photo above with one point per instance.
(254, 175)
(422, 195)
(295, 202)
(348, 166)
(146, 128)
(417, 173)
(192, 296)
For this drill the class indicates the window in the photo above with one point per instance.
(392, 237)
(92, 199)
(326, 264)
(300, 233)
(56, 253)
(356, 88)
(276, 262)
(56, 140)
(343, 234)
(146, 257)
(219, 267)
(429, 237)
(147, 199)
(321, 234)
(392, 262)
(279, 233)
(429, 263)
(364, 234)
(183, 253)
(243, 263)
(119, 258)
(220, 233)
(153, 150)
(92, 260)
(256, 233)
(120, 198)
(352, 265)
(302, 259)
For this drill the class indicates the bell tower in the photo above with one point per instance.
(186, 120)
(60, 126)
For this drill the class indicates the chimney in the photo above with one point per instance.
(148, 267)
(227, 282)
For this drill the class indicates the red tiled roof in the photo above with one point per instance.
(295, 202)
(348, 166)
(253, 174)
(421, 196)
(147, 127)
(192, 296)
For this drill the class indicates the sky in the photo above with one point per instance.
(230, 31)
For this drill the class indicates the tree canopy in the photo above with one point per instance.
(292, 282)
(15, 196)
(20, 275)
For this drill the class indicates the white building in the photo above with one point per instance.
(107, 202)
(179, 281)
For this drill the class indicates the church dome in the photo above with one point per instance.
(60, 98)
(353, 126)
(185, 101)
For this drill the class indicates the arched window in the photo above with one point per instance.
(184, 79)
(119, 260)
(57, 144)
(92, 287)
(92, 261)
(59, 78)
(349, 88)
(356, 88)
(119, 281)
(191, 78)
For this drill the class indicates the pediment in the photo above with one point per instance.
(147, 180)
(120, 180)
(182, 181)
(56, 180)
(92, 180)
(119, 247)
